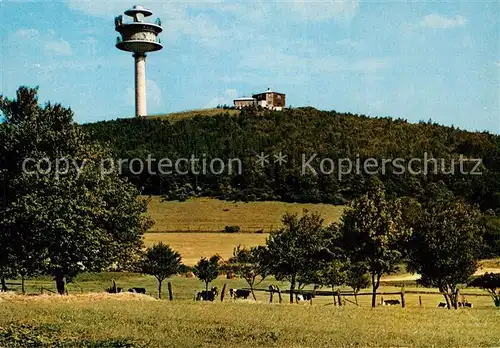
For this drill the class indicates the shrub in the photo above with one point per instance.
(232, 229)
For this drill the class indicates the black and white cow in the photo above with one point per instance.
(138, 290)
(209, 295)
(239, 293)
(390, 302)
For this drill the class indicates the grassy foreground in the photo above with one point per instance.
(151, 323)
(212, 215)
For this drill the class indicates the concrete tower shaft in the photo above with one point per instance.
(140, 84)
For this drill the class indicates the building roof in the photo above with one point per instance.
(269, 91)
(244, 99)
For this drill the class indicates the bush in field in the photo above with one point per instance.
(232, 229)
(161, 262)
(491, 283)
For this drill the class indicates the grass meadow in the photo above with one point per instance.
(88, 314)
(212, 215)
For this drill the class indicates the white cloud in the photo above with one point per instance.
(60, 47)
(199, 27)
(436, 21)
(33, 38)
(225, 99)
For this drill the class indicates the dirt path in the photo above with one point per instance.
(408, 277)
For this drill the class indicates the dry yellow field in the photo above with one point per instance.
(193, 246)
(212, 215)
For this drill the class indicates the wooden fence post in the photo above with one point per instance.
(170, 295)
(223, 292)
(271, 296)
(279, 295)
(339, 298)
(420, 300)
(403, 298)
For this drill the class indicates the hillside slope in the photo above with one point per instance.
(299, 134)
(212, 215)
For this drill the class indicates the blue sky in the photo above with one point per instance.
(415, 60)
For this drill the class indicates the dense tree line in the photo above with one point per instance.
(304, 132)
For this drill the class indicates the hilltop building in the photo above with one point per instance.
(268, 99)
(240, 103)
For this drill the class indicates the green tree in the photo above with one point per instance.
(207, 270)
(333, 274)
(489, 282)
(357, 278)
(296, 248)
(445, 246)
(374, 233)
(491, 237)
(247, 263)
(161, 262)
(65, 222)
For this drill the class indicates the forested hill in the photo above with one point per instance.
(299, 134)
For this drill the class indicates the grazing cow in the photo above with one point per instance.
(239, 293)
(308, 296)
(273, 288)
(138, 290)
(464, 304)
(215, 291)
(442, 305)
(299, 297)
(390, 302)
(209, 295)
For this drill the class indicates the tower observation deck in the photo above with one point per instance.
(139, 37)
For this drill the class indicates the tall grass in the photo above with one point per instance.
(246, 324)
